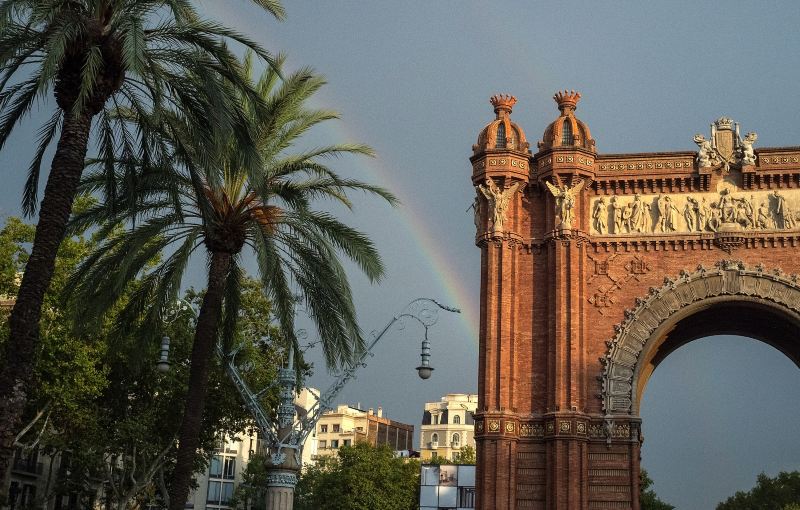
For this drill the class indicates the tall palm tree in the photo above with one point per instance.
(230, 209)
(91, 53)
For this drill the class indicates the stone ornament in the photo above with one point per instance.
(727, 210)
(600, 216)
(728, 278)
(565, 202)
(281, 479)
(725, 146)
(498, 201)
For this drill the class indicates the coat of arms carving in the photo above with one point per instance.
(725, 148)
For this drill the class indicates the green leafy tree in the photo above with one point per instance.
(648, 500)
(465, 456)
(101, 406)
(779, 492)
(225, 207)
(90, 53)
(360, 477)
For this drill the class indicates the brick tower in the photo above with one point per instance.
(594, 268)
(532, 420)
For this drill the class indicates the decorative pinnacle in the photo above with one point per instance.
(568, 99)
(502, 103)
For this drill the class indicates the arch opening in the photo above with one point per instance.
(744, 316)
(718, 411)
(731, 299)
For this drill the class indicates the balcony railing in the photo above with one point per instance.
(27, 466)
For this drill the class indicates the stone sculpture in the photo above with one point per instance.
(565, 202)
(600, 216)
(748, 155)
(498, 201)
(706, 156)
(617, 213)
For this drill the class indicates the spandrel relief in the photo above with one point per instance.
(681, 213)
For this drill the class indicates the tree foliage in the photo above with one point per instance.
(781, 492)
(648, 500)
(465, 456)
(99, 57)
(360, 477)
(225, 207)
(101, 405)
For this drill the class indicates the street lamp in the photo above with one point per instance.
(163, 360)
(425, 370)
(289, 432)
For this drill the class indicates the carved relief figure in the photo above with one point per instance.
(627, 212)
(763, 220)
(565, 202)
(600, 216)
(714, 218)
(748, 155)
(703, 212)
(663, 213)
(727, 207)
(783, 216)
(705, 156)
(617, 213)
(476, 209)
(744, 212)
(637, 214)
(498, 201)
(672, 215)
(688, 214)
(646, 218)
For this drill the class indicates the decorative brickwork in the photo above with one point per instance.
(593, 269)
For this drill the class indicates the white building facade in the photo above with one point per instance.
(448, 426)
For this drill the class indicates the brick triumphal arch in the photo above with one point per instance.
(594, 267)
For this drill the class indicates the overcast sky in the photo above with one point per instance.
(413, 78)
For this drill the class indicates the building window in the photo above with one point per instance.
(436, 419)
(215, 471)
(456, 419)
(227, 493)
(230, 468)
(347, 442)
(336, 427)
(360, 429)
(335, 443)
(566, 133)
(323, 428)
(323, 444)
(466, 497)
(219, 493)
(500, 141)
(435, 438)
(456, 440)
(213, 492)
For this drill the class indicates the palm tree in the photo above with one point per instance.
(229, 208)
(91, 53)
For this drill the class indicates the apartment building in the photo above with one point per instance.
(447, 425)
(216, 485)
(348, 425)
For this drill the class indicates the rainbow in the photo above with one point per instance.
(455, 292)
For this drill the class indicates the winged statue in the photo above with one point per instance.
(565, 201)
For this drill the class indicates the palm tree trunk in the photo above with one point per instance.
(62, 185)
(205, 335)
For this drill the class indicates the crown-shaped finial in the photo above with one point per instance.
(502, 103)
(724, 123)
(568, 99)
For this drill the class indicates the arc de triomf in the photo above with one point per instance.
(594, 268)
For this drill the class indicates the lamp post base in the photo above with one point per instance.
(280, 489)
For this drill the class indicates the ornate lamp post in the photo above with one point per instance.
(286, 436)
